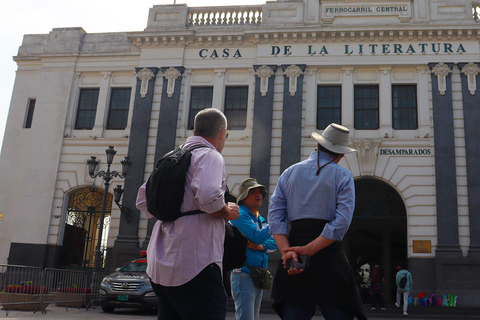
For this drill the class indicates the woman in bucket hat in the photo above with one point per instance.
(246, 295)
(316, 198)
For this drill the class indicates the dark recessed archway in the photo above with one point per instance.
(378, 231)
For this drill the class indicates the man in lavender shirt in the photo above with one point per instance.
(185, 256)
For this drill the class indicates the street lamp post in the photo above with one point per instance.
(107, 176)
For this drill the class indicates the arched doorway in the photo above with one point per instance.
(378, 233)
(82, 226)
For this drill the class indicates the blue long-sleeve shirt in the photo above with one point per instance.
(300, 194)
(256, 230)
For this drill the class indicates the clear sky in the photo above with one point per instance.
(20, 17)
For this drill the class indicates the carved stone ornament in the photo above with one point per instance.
(441, 70)
(471, 70)
(171, 74)
(145, 75)
(367, 151)
(264, 72)
(293, 72)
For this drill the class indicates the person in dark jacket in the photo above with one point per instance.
(246, 295)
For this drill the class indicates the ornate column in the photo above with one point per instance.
(347, 97)
(311, 89)
(423, 75)
(102, 104)
(262, 127)
(445, 173)
(292, 115)
(470, 74)
(385, 87)
(167, 122)
(126, 244)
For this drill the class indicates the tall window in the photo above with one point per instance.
(118, 110)
(404, 102)
(87, 109)
(236, 101)
(30, 110)
(366, 107)
(329, 106)
(201, 98)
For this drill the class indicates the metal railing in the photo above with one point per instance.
(33, 289)
(224, 16)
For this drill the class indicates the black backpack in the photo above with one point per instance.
(403, 282)
(235, 244)
(166, 185)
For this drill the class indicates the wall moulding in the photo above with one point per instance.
(267, 36)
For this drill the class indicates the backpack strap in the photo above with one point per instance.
(192, 212)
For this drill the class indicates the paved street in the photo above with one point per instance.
(57, 313)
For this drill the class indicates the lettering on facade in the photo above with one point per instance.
(219, 53)
(376, 48)
(405, 152)
(366, 9)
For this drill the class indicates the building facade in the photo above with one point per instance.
(402, 75)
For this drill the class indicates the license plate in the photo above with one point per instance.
(123, 297)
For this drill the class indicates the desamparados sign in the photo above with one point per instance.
(405, 152)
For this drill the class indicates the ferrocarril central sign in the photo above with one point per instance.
(366, 9)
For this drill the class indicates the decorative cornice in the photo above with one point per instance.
(264, 73)
(144, 75)
(292, 72)
(214, 36)
(441, 70)
(471, 70)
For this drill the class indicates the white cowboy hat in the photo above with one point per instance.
(334, 138)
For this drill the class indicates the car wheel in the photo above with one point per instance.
(108, 309)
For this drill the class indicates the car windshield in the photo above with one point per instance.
(135, 266)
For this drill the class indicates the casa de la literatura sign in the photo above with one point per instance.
(337, 50)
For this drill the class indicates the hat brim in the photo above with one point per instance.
(243, 195)
(330, 146)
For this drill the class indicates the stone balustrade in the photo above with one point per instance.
(476, 10)
(224, 16)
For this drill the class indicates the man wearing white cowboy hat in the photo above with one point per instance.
(316, 197)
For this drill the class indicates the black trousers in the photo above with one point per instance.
(202, 298)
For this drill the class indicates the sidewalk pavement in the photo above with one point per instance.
(59, 313)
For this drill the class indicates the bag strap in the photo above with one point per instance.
(198, 211)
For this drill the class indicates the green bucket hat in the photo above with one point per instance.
(247, 185)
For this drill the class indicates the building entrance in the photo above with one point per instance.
(378, 234)
(82, 228)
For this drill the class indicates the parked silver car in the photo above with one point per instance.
(128, 287)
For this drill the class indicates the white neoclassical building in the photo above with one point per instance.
(402, 75)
